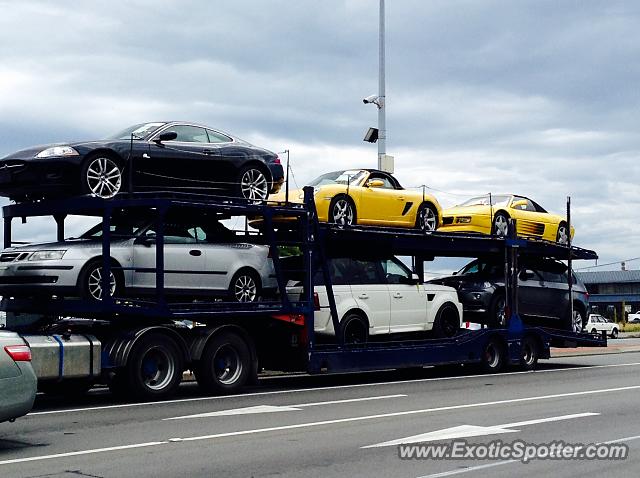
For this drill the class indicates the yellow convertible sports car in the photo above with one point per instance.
(369, 196)
(477, 215)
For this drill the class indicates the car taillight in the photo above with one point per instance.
(19, 353)
(316, 301)
(277, 160)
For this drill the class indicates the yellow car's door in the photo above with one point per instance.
(380, 202)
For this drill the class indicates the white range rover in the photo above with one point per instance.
(377, 297)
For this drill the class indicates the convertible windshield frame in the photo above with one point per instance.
(497, 200)
(353, 176)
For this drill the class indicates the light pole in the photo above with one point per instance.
(380, 136)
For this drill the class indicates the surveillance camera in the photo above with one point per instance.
(370, 99)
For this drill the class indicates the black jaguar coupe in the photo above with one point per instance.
(163, 156)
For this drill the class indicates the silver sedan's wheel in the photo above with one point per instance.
(254, 185)
(563, 236)
(427, 218)
(95, 286)
(103, 177)
(501, 225)
(245, 287)
(342, 212)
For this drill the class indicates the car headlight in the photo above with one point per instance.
(57, 151)
(46, 255)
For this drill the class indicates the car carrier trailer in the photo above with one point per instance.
(140, 347)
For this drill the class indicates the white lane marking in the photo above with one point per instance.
(305, 425)
(617, 440)
(279, 408)
(468, 469)
(411, 412)
(465, 431)
(335, 387)
(83, 452)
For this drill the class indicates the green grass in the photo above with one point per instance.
(630, 328)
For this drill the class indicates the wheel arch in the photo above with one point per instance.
(118, 349)
(258, 165)
(114, 262)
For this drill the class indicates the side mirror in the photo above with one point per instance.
(147, 240)
(375, 183)
(454, 273)
(415, 278)
(526, 274)
(167, 136)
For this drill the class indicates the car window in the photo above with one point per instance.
(175, 233)
(338, 271)
(365, 272)
(522, 204)
(395, 272)
(215, 137)
(189, 134)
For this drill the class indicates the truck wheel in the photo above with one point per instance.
(492, 359)
(225, 364)
(447, 322)
(529, 353)
(155, 367)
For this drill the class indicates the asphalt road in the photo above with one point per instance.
(327, 426)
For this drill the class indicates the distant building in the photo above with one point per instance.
(609, 289)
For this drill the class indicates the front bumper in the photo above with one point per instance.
(20, 278)
(24, 178)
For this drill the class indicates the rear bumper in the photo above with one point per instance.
(277, 176)
(18, 393)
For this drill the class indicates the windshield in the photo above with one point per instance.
(354, 176)
(499, 200)
(120, 228)
(139, 131)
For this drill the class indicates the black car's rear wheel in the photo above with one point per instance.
(101, 176)
(253, 184)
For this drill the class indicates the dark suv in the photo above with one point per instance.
(543, 293)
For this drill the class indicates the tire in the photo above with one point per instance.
(245, 286)
(594, 331)
(447, 322)
(90, 285)
(497, 311)
(154, 368)
(614, 333)
(342, 211)
(500, 226)
(577, 322)
(225, 365)
(354, 329)
(529, 353)
(253, 184)
(427, 218)
(562, 237)
(492, 359)
(101, 176)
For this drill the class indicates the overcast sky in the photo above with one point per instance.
(536, 97)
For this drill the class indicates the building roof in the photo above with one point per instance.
(609, 277)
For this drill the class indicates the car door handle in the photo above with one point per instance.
(363, 296)
(195, 252)
(210, 152)
(397, 295)
(401, 198)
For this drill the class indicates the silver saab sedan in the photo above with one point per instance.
(201, 258)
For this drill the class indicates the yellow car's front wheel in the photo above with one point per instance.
(342, 211)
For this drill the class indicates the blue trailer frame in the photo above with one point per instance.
(318, 242)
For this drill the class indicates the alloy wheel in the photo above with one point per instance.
(104, 178)
(342, 212)
(501, 226)
(245, 289)
(95, 283)
(428, 219)
(577, 321)
(253, 185)
(563, 237)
